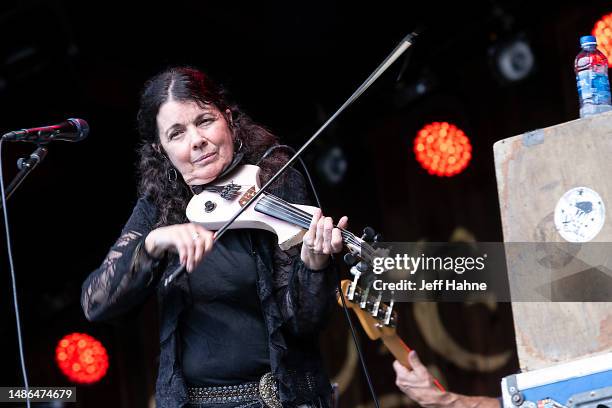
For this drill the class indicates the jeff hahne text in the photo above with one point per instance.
(414, 264)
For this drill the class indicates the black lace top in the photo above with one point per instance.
(294, 300)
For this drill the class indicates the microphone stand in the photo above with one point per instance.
(395, 54)
(25, 166)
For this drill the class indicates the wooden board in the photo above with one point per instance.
(534, 171)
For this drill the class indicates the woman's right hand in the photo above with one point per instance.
(191, 241)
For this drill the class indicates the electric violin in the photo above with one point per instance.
(224, 197)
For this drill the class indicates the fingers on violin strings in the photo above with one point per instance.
(343, 223)
(309, 236)
(314, 221)
(306, 238)
(336, 240)
(319, 236)
(328, 227)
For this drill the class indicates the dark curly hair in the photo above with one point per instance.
(186, 84)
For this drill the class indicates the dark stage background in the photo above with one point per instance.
(290, 65)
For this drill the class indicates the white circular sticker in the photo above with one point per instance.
(580, 215)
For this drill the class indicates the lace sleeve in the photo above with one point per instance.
(305, 296)
(308, 296)
(127, 275)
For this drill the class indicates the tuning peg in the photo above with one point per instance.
(362, 266)
(389, 313)
(356, 274)
(376, 307)
(350, 259)
(359, 268)
(378, 238)
(363, 303)
(21, 163)
(368, 234)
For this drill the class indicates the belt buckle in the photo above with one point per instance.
(268, 391)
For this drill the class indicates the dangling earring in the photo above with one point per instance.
(172, 175)
(237, 145)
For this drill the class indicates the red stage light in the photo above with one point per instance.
(442, 149)
(603, 32)
(81, 358)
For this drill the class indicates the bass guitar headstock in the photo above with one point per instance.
(378, 319)
(361, 257)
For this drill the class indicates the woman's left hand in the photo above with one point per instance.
(321, 240)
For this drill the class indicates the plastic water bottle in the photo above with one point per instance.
(591, 68)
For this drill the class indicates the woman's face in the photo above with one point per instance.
(197, 139)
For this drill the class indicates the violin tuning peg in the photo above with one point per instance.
(368, 234)
(350, 259)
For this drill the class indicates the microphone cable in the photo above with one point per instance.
(13, 280)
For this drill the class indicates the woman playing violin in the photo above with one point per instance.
(240, 328)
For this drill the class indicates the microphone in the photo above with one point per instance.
(71, 130)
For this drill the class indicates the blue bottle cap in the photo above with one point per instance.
(588, 40)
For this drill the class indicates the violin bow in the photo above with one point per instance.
(391, 58)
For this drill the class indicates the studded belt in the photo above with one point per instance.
(265, 390)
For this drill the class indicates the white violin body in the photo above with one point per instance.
(222, 198)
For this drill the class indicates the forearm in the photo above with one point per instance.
(123, 280)
(126, 275)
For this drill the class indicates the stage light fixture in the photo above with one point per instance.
(442, 149)
(512, 59)
(602, 30)
(81, 358)
(333, 165)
